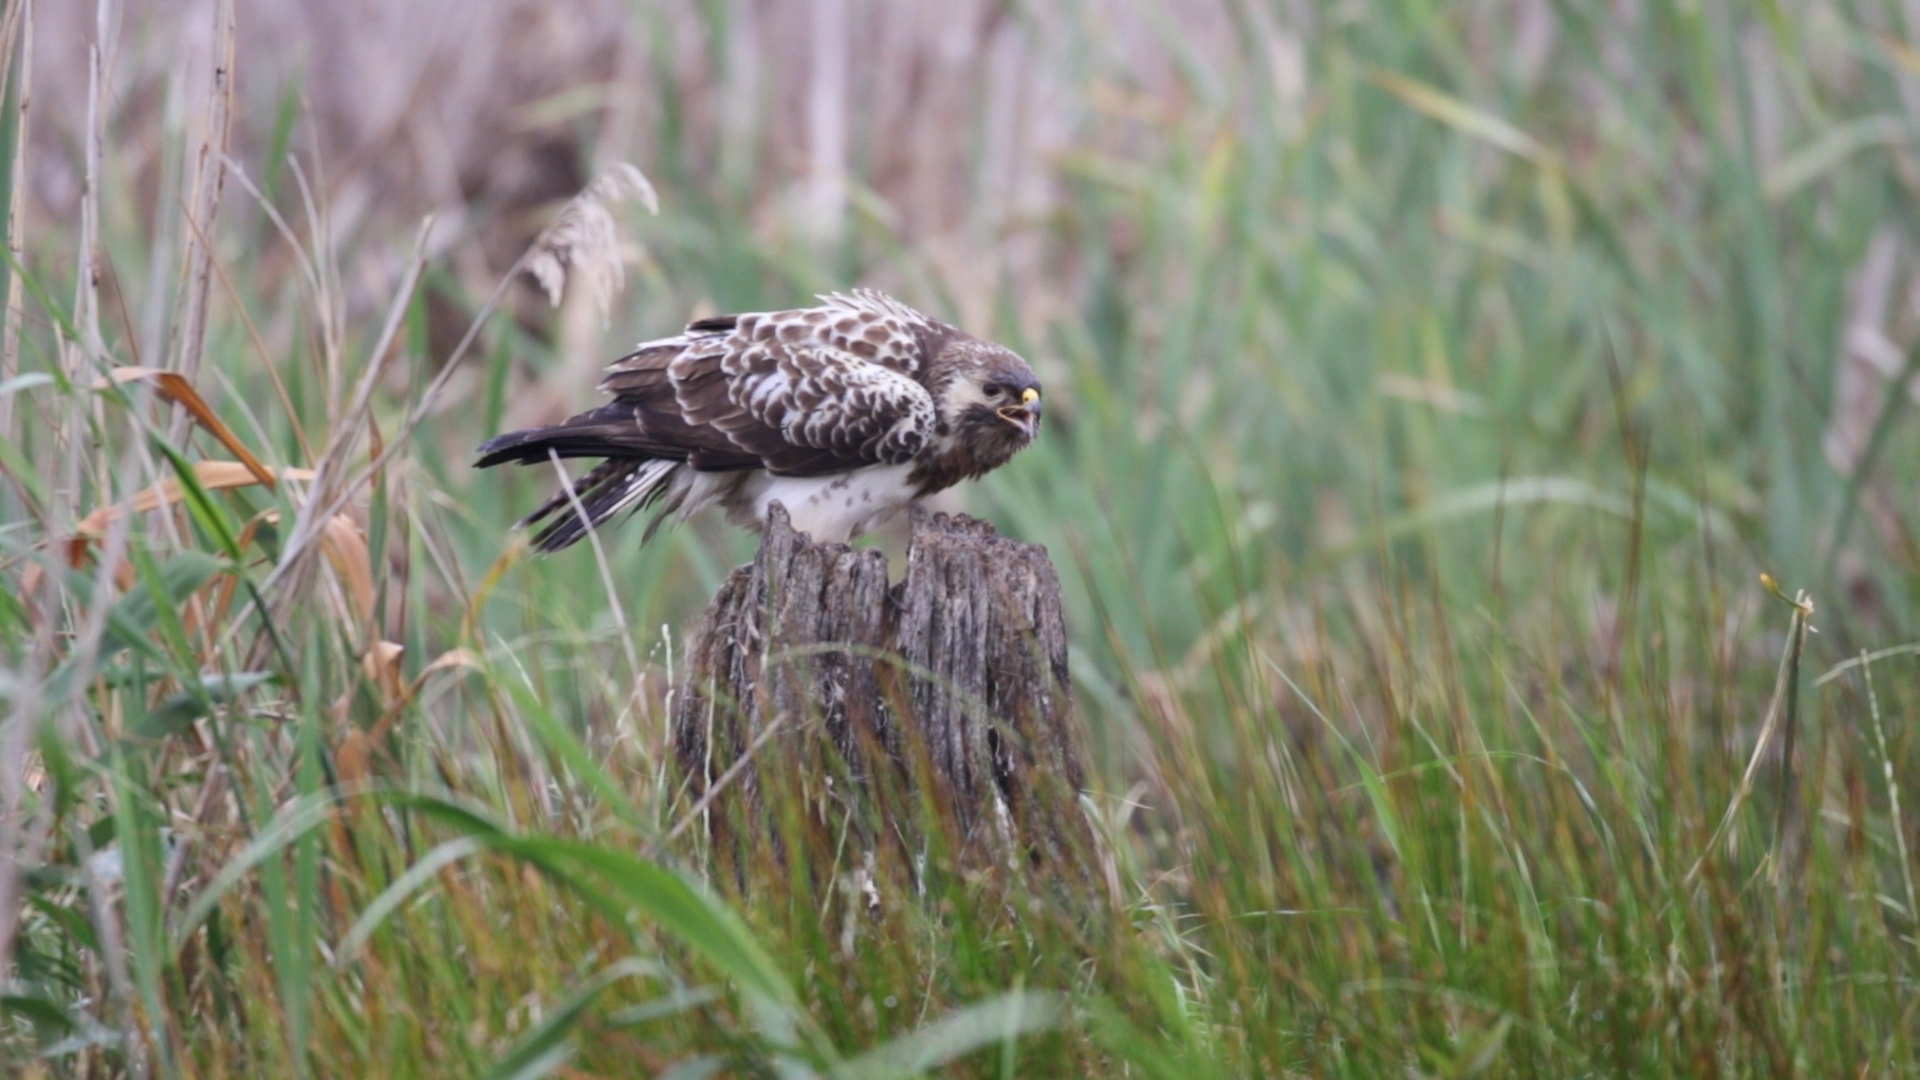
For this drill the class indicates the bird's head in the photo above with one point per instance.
(993, 398)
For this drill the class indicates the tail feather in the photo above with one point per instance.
(611, 488)
(637, 472)
(587, 435)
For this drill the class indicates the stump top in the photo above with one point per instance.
(927, 526)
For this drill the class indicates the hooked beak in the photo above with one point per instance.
(1026, 415)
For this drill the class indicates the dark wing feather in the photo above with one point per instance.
(801, 393)
(808, 392)
(804, 409)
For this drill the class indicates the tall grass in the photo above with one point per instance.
(1429, 387)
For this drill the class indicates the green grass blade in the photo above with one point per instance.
(995, 1022)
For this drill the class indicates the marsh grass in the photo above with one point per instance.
(1411, 466)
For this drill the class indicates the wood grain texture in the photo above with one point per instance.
(952, 684)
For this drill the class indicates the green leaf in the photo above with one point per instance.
(74, 926)
(59, 763)
(294, 820)
(685, 910)
(1376, 785)
(173, 715)
(1147, 1055)
(135, 615)
(545, 1047)
(562, 742)
(994, 1022)
(700, 1068)
(1457, 114)
(25, 381)
(200, 505)
(677, 1002)
(632, 887)
(467, 817)
(40, 1011)
(402, 887)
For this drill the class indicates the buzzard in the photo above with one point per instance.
(845, 413)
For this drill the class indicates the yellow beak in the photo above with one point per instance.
(1025, 415)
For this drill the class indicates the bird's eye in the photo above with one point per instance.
(992, 389)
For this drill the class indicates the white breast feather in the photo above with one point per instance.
(831, 509)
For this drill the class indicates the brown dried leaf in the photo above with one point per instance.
(213, 475)
(346, 550)
(452, 658)
(382, 665)
(174, 387)
(353, 755)
(352, 758)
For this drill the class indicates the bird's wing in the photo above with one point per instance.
(800, 393)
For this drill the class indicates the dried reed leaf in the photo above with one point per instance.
(446, 661)
(360, 742)
(327, 499)
(382, 665)
(353, 754)
(452, 658)
(175, 388)
(347, 551)
(212, 475)
(230, 584)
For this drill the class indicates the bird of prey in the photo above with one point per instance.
(845, 413)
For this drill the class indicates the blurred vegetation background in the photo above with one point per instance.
(1429, 385)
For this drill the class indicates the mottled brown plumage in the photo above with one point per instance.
(845, 413)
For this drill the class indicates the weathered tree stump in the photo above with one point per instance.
(948, 690)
